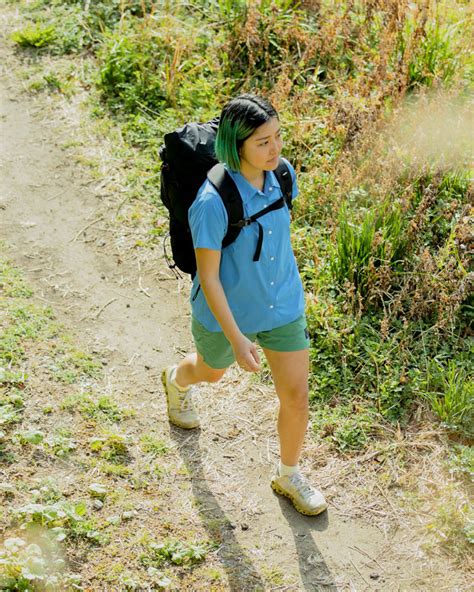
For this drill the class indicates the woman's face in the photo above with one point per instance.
(261, 150)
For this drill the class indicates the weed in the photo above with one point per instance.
(153, 446)
(112, 447)
(174, 552)
(102, 408)
(461, 461)
(452, 522)
(450, 390)
(8, 415)
(12, 283)
(115, 469)
(76, 364)
(360, 247)
(345, 429)
(25, 321)
(60, 444)
(29, 437)
(37, 564)
(58, 515)
(34, 36)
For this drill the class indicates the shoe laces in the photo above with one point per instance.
(185, 400)
(302, 485)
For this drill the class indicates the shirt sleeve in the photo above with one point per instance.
(294, 190)
(207, 220)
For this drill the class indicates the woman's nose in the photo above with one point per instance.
(275, 147)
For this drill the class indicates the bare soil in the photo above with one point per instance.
(60, 226)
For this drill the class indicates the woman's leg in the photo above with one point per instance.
(192, 369)
(177, 381)
(290, 371)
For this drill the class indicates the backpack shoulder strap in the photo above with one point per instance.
(283, 175)
(231, 199)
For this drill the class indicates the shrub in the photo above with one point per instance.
(35, 36)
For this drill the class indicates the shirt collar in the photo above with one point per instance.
(248, 191)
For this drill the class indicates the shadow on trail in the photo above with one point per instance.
(314, 573)
(241, 573)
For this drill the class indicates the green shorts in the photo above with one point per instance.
(217, 351)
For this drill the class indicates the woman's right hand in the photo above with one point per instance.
(246, 354)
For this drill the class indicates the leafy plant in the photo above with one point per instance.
(154, 446)
(101, 408)
(60, 514)
(451, 394)
(25, 566)
(60, 444)
(363, 246)
(175, 552)
(35, 36)
(461, 461)
(112, 447)
(29, 437)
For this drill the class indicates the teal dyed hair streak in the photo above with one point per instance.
(239, 119)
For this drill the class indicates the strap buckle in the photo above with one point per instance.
(244, 222)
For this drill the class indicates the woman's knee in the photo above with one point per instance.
(295, 398)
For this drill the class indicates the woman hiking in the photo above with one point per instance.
(237, 301)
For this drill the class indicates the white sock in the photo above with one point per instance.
(174, 381)
(287, 470)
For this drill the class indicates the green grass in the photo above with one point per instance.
(101, 408)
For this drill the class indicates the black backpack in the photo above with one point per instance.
(188, 158)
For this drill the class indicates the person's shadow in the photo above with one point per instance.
(242, 575)
(314, 573)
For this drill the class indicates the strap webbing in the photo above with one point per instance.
(276, 205)
(230, 195)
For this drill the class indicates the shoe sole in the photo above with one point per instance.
(174, 421)
(281, 491)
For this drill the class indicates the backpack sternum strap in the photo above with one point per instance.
(230, 195)
(276, 205)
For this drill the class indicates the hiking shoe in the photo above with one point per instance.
(180, 407)
(306, 499)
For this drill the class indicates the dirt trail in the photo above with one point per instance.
(57, 226)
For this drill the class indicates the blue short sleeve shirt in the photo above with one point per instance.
(264, 294)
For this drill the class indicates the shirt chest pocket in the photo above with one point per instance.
(275, 230)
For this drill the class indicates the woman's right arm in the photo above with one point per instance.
(208, 263)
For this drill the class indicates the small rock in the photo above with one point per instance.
(244, 526)
(97, 504)
(128, 305)
(374, 576)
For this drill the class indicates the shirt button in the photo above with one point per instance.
(272, 283)
(271, 188)
(271, 305)
(270, 232)
(265, 205)
(272, 258)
